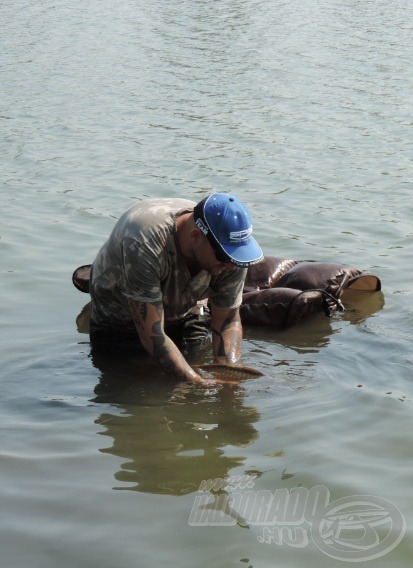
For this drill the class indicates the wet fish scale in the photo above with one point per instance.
(222, 371)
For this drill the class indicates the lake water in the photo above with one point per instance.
(304, 111)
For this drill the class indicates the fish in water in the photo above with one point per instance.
(221, 371)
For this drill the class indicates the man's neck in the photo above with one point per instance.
(184, 226)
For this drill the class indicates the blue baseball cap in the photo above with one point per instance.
(228, 227)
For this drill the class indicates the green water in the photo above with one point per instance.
(303, 110)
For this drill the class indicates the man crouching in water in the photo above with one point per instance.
(151, 281)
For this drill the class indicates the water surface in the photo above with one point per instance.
(303, 110)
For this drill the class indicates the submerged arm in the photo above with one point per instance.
(226, 335)
(149, 322)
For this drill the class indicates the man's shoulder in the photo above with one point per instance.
(151, 223)
(150, 217)
(159, 208)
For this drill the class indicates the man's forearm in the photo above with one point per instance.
(171, 360)
(148, 320)
(227, 336)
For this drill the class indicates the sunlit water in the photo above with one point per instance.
(303, 109)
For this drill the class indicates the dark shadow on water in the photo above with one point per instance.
(170, 435)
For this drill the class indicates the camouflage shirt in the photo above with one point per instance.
(141, 261)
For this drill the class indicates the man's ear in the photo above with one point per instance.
(196, 236)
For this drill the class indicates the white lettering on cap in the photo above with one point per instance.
(201, 225)
(240, 235)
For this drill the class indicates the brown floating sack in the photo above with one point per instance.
(280, 306)
(266, 273)
(281, 292)
(81, 277)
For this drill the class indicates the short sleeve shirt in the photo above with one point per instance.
(142, 261)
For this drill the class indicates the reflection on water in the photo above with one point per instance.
(172, 436)
(83, 319)
(361, 305)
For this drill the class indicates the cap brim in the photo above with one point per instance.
(245, 254)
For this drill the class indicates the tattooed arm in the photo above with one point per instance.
(149, 323)
(226, 335)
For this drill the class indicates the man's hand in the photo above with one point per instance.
(149, 322)
(226, 335)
